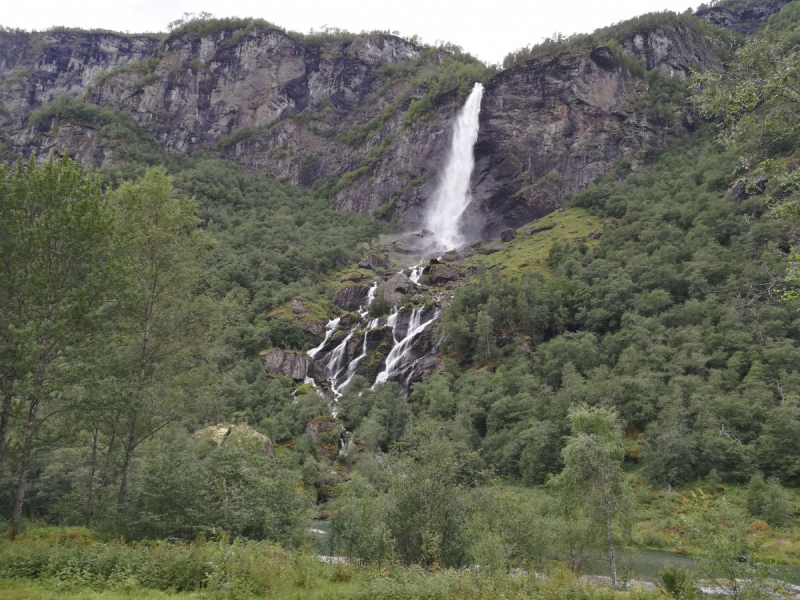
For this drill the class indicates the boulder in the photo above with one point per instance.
(439, 274)
(595, 234)
(298, 307)
(491, 248)
(287, 363)
(239, 434)
(508, 235)
(348, 320)
(311, 316)
(351, 297)
(419, 244)
(396, 287)
(318, 371)
(374, 262)
(539, 229)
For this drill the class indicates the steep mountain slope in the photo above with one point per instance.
(364, 118)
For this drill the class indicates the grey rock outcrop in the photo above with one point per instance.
(324, 433)
(239, 434)
(374, 262)
(548, 128)
(351, 297)
(439, 274)
(301, 310)
(743, 19)
(395, 288)
(318, 371)
(35, 68)
(508, 235)
(305, 111)
(674, 48)
(283, 362)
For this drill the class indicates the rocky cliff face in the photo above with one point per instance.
(742, 19)
(204, 88)
(257, 96)
(35, 68)
(548, 128)
(332, 112)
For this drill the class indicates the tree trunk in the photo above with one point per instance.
(5, 419)
(126, 465)
(24, 468)
(611, 554)
(7, 386)
(106, 468)
(92, 471)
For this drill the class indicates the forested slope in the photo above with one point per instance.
(621, 374)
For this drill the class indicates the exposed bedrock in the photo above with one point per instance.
(306, 112)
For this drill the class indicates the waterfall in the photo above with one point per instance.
(336, 360)
(330, 329)
(335, 366)
(399, 354)
(370, 297)
(453, 194)
(353, 366)
(416, 273)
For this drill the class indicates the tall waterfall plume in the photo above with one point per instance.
(453, 194)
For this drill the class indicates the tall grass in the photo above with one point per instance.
(73, 560)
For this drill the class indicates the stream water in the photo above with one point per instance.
(646, 563)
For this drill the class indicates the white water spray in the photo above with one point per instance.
(453, 194)
(400, 355)
(330, 329)
(370, 297)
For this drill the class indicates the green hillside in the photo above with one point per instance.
(611, 388)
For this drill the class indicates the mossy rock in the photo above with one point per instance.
(302, 390)
(239, 434)
(311, 315)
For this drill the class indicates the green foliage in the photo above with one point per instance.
(676, 582)
(726, 554)
(379, 307)
(673, 318)
(236, 488)
(358, 526)
(756, 99)
(485, 307)
(767, 500)
(58, 271)
(221, 568)
(98, 30)
(559, 42)
(144, 67)
(114, 127)
(241, 135)
(378, 417)
(165, 324)
(592, 478)
(416, 506)
(205, 23)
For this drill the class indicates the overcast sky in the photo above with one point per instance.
(488, 29)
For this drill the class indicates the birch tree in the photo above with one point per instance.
(166, 325)
(592, 479)
(56, 235)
